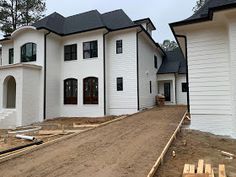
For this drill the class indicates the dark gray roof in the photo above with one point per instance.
(206, 11)
(145, 20)
(174, 62)
(84, 22)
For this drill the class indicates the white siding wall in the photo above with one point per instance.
(209, 77)
(181, 96)
(80, 69)
(210, 80)
(121, 65)
(147, 72)
(232, 46)
(54, 80)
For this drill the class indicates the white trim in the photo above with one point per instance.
(20, 65)
(23, 28)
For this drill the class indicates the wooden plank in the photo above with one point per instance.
(200, 166)
(212, 173)
(208, 168)
(192, 169)
(186, 168)
(196, 175)
(222, 170)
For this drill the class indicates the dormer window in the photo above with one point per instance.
(28, 52)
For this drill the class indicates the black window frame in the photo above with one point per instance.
(72, 97)
(92, 50)
(184, 87)
(119, 46)
(70, 52)
(155, 62)
(11, 56)
(119, 84)
(150, 87)
(93, 97)
(24, 57)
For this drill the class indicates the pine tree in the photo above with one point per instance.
(199, 4)
(16, 13)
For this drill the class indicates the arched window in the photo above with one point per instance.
(91, 90)
(28, 52)
(70, 91)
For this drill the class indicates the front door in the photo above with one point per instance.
(167, 91)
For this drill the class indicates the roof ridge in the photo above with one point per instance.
(95, 10)
(112, 11)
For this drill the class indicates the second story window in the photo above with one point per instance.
(155, 62)
(28, 52)
(70, 52)
(90, 49)
(119, 47)
(11, 56)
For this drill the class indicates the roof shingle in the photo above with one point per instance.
(85, 21)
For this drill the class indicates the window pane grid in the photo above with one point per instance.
(70, 52)
(119, 48)
(70, 91)
(90, 49)
(91, 90)
(28, 52)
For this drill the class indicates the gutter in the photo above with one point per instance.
(137, 63)
(104, 69)
(45, 75)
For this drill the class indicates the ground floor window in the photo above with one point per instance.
(90, 90)
(70, 91)
(184, 87)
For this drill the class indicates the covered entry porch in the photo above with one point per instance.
(167, 87)
(19, 95)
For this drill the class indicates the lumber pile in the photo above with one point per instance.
(202, 170)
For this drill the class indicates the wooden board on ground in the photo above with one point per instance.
(202, 170)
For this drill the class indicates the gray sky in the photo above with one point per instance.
(161, 12)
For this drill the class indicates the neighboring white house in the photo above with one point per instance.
(208, 41)
(89, 64)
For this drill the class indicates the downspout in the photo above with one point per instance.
(104, 70)
(175, 90)
(45, 75)
(187, 74)
(137, 37)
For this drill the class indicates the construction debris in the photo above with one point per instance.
(25, 137)
(230, 155)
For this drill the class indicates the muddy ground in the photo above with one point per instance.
(199, 145)
(51, 130)
(126, 148)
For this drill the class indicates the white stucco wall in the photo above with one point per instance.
(121, 65)
(31, 105)
(80, 69)
(54, 77)
(5, 52)
(147, 71)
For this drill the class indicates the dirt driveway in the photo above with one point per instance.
(126, 148)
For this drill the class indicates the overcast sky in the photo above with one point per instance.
(161, 12)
